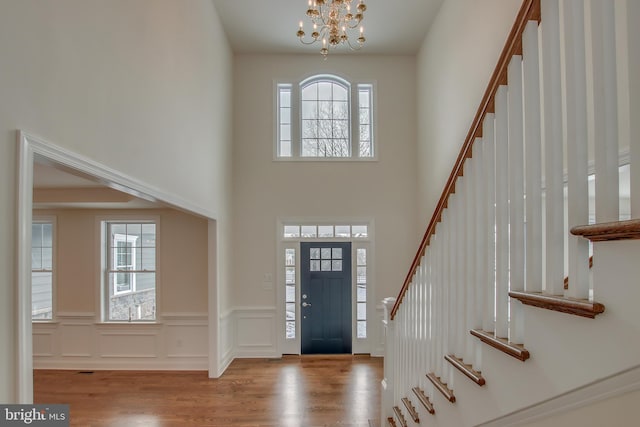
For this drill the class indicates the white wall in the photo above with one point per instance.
(142, 87)
(265, 190)
(454, 67)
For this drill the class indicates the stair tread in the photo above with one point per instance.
(503, 344)
(466, 369)
(578, 307)
(604, 231)
(442, 387)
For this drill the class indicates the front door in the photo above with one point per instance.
(325, 296)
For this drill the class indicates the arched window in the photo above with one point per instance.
(316, 119)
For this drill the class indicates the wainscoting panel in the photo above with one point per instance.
(256, 332)
(186, 341)
(226, 343)
(128, 344)
(77, 341)
(44, 338)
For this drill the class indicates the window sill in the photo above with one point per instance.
(327, 159)
(137, 323)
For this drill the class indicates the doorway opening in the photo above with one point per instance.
(33, 150)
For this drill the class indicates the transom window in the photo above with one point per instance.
(315, 119)
(296, 231)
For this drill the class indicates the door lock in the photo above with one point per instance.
(306, 304)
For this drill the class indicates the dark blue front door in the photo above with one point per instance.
(326, 297)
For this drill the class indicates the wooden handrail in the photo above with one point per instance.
(529, 11)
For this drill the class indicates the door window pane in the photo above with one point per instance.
(290, 275)
(309, 231)
(290, 293)
(325, 231)
(359, 231)
(291, 231)
(343, 231)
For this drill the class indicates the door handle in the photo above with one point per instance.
(306, 304)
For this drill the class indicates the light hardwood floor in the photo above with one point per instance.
(305, 391)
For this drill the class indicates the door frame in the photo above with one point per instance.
(358, 345)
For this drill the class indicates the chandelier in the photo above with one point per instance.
(332, 20)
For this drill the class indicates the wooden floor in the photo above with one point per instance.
(294, 391)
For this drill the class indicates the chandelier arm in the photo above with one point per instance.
(358, 47)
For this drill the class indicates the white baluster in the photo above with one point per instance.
(605, 110)
(533, 147)
(632, 71)
(461, 268)
(480, 228)
(446, 291)
(553, 148)
(424, 319)
(435, 305)
(433, 319)
(470, 285)
(502, 213)
(577, 152)
(454, 268)
(488, 132)
(516, 196)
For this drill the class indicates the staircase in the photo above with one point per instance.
(524, 289)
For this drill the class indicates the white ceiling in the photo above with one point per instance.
(58, 187)
(259, 26)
